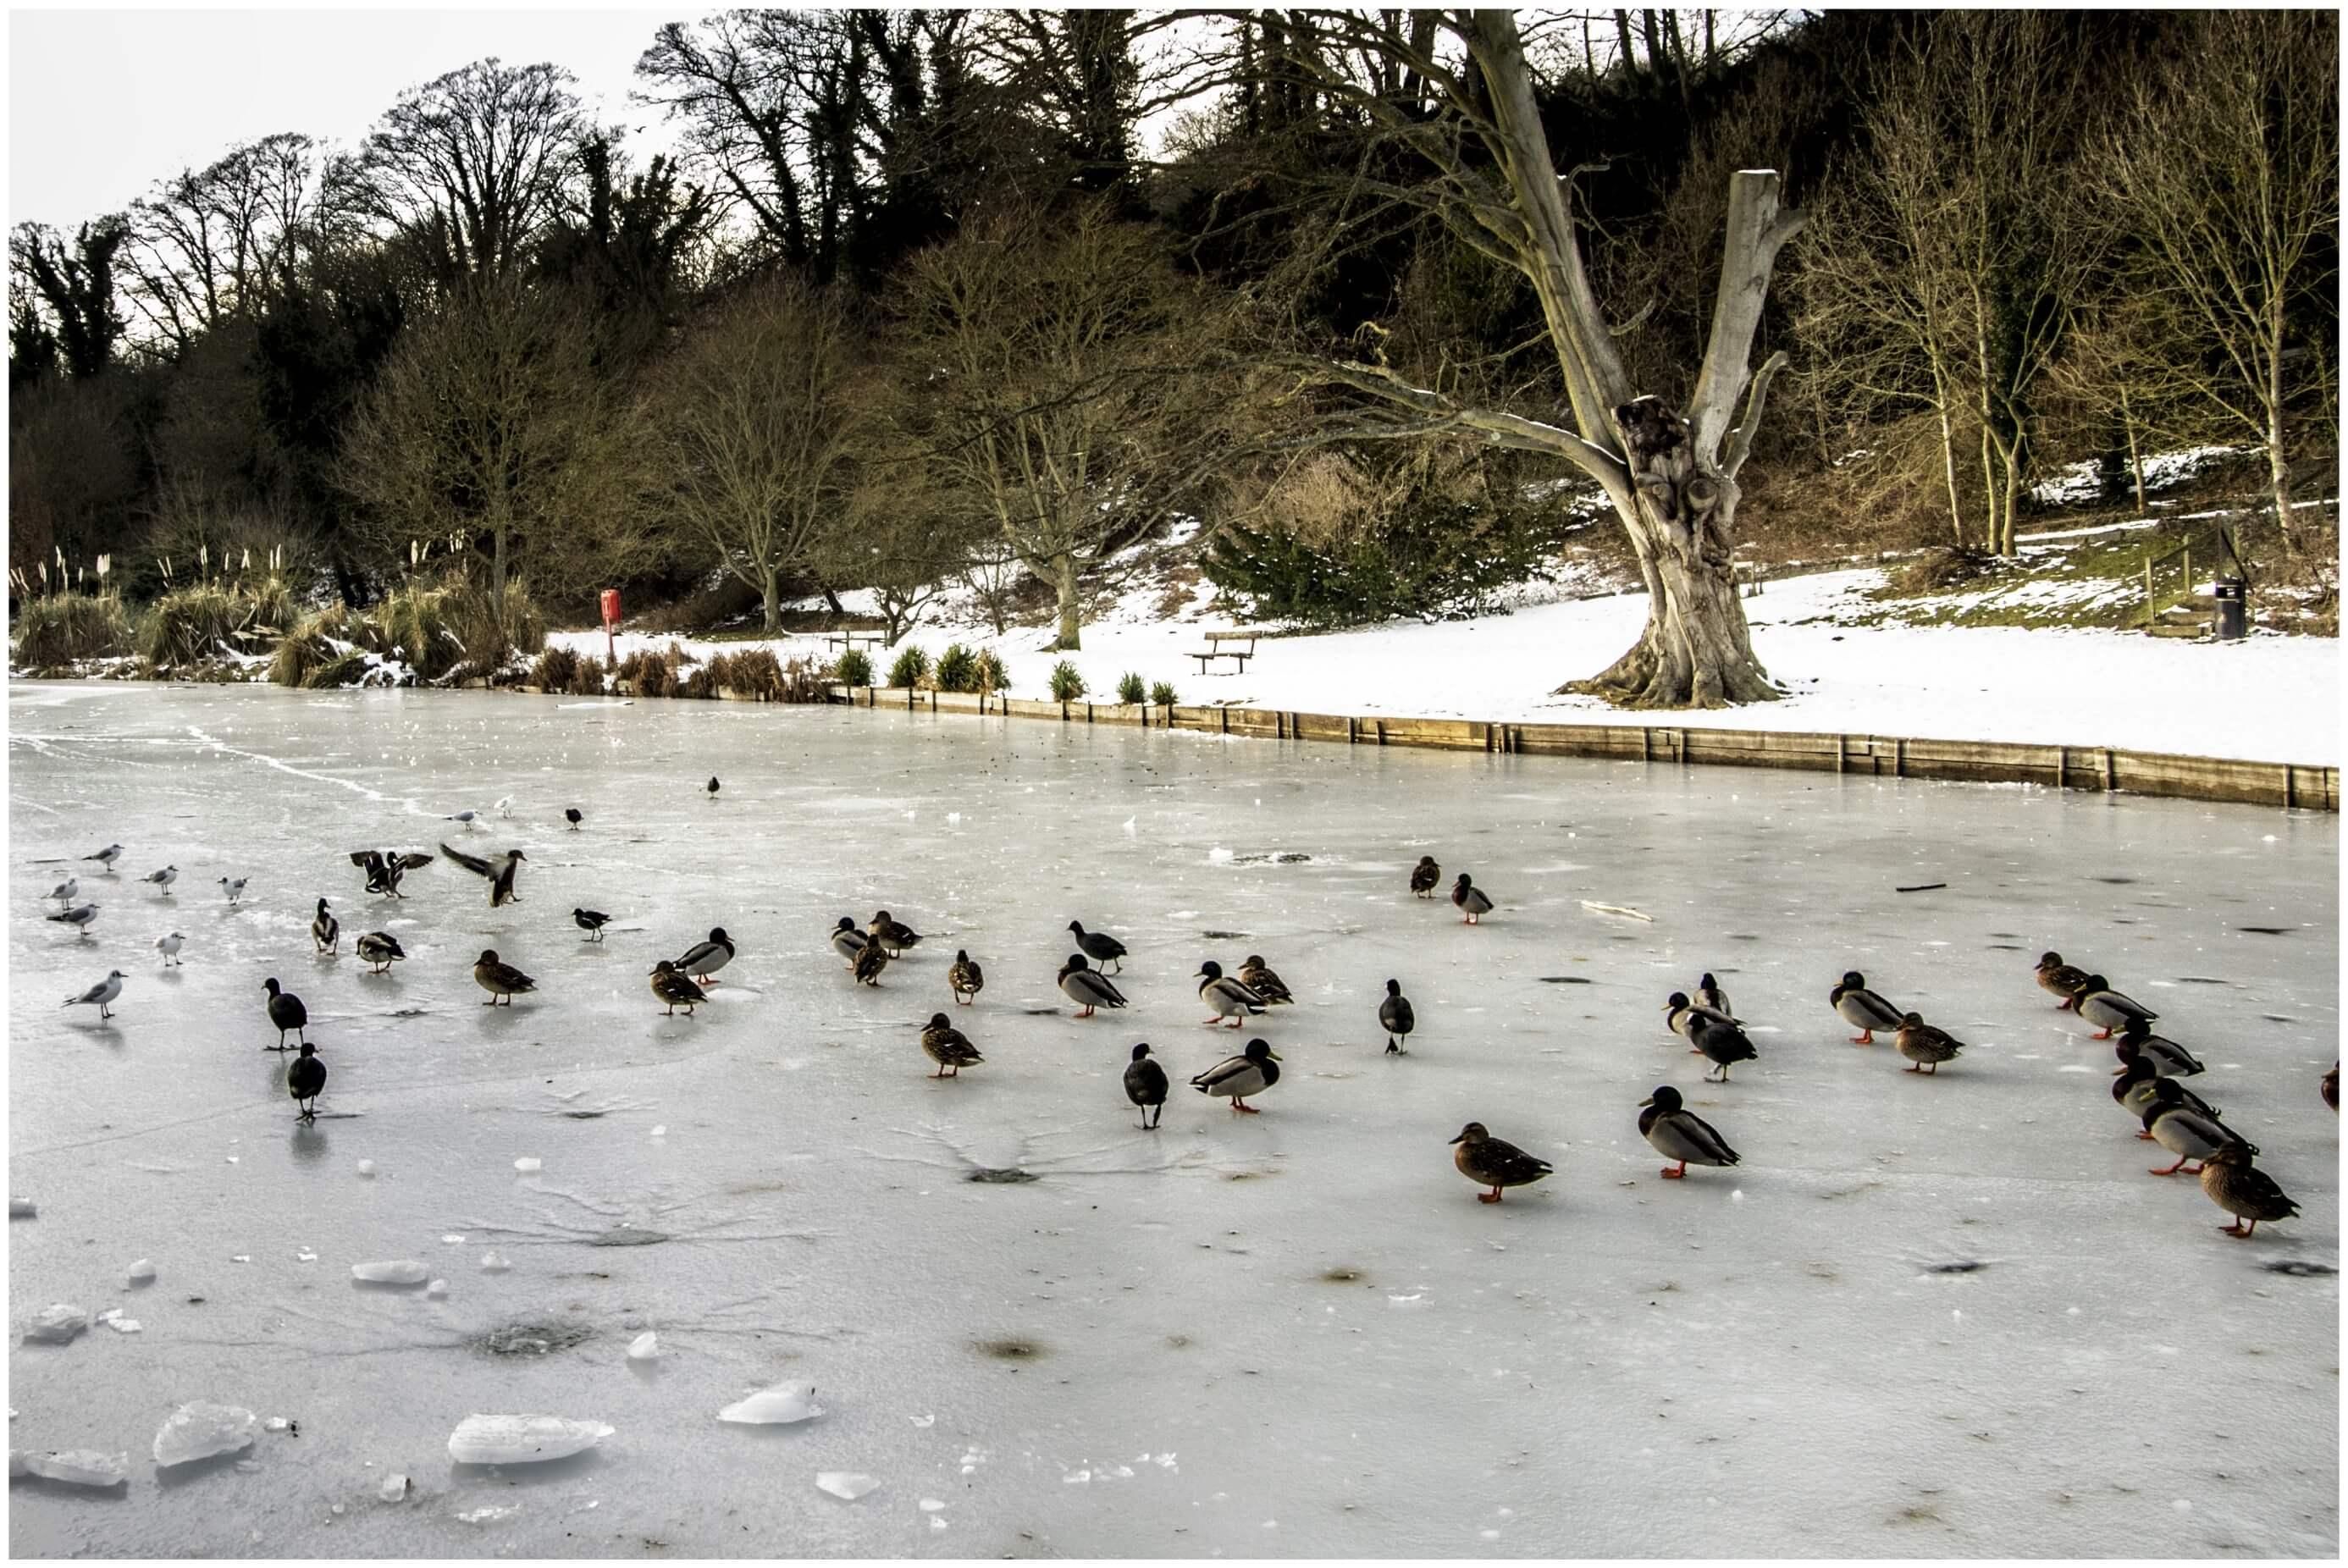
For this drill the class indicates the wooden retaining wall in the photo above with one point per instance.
(2106, 768)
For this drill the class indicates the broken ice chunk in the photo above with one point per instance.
(846, 1484)
(199, 1431)
(438, 1290)
(778, 1406)
(522, 1440)
(526, 1165)
(394, 1489)
(644, 1347)
(494, 1263)
(78, 1467)
(57, 1325)
(394, 1271)
(140, 1273)
(488, 1515)
(366, 1167)
(112, 1317)
(22, 1209)
(661, 1131)
(278, 1424)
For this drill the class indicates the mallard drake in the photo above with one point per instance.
(1252, 1071)
(2107, 1009)
(965, 979)
(99, 995)
(1473, 905)
(1684, 1017)
(571, 815)
(1230, 998)
(1862, 1009)
(2185, 1132)
(948, 1046)
(80, 917)
(306, 1081)
(383, 868)
(1494, 1162)
(499, 979)
(500, 872)
(1424, 877)
(1926, 1046)
(1098, 946)
(1680, 1134)
(2168, 1058)
(704, 959)
(2243, 1191)
(894, 934)
(2132, 1089)
(871, 959)
(1086, 987)
(847, 940)
(105, 858)
(675, 986)
(1259, 978)
(285, 1011)
(2330, 1089)
(1722, 1042)
(168, 945)
(591, 921)
(163, 879)
(1396, 1017)
(325, 931)
(379, 948)
(1145, 1085)
(234, 888)
(1708, 993)
(2059, 978)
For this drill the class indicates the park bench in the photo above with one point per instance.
(846, 640)
(1215, 651)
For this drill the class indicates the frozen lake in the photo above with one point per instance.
(1928, 1316)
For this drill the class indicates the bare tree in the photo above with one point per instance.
(206, 243)
(2227, 170)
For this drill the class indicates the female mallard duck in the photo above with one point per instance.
(2168, 1058)
(1862, 1009)
(2107, 1009)
(1724, 1043)
(1925, 1045)
(894, 934)
(1098, 945)
(1088, 986)
(2132, 1087)
(1252, 1071)
(591, 921)
(704, 959)
(499, 979)
(1493, 1163)
(1684, 1017)
(1396, 1016)
(2330, 1089)
(966, 979)
(1425, 876)
(1473, 906)
(380, 948)
(847, 940)
(871, 959)
(948, 1046)
(2243, 1191)
(1708, 993)
(325, 931)
(2185, 1132)
(1259, 978)
(2059, 978)
(306, 1081)
(285, 1011)
(1145, 1085)
(1230, 998)
(1680, 1134)
(675, 986)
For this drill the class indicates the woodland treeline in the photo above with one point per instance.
(997, 296)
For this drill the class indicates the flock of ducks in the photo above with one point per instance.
(2146, 1085)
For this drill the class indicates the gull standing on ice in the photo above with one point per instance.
(65, 891)
(163, 879)
(505, 805)
(168, 946)
(79, 917)
(107, 857)
(466, 817)
(105, 990)
(234, 888)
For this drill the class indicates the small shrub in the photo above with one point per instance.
(752, 673)
(1945, 567)
(191, 625)
(556, 670)
(957, 670)
(488, 632)
(338, 670)
(1427, 557)
(854, 668)
(1161, 693)
(270, 609)
(1067, 683)
(805, 680)
(992, 674)
(700, 685)
(414, 623)
(55, 630)
(631, 668)
(586, 677)
(1129, 688)
(654, 677)
(912, 665)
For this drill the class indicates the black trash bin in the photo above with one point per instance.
(2233, 610)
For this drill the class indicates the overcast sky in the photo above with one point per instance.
(102, 104)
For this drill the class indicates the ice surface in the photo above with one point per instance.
(778, 1406)
(494, 1263)
(80, 1466)
(1600, 1352)
(527, 1164)
(200, 1431)
(522, 1440)
(56, 1325)
(394, 1271)
(847, 1484)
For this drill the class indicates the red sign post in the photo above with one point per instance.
(610, 622)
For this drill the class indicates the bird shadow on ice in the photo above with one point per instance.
(540, 1472)
(167, 1477)
(995, 1156)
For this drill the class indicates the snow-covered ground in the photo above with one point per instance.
(1927, 1316)
(2266, 698)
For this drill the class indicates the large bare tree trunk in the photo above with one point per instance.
(2278, 467)
(1071, 607)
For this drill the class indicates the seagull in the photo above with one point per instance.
(107, 857)
(571, 815)
(65, 891)
(234, 888)
(168, 946)
(105, 990)
(713, 786)
(326, 930)
(464, 817)
(500, 872)
(79, 917)
(505, 805)
(163, 879)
